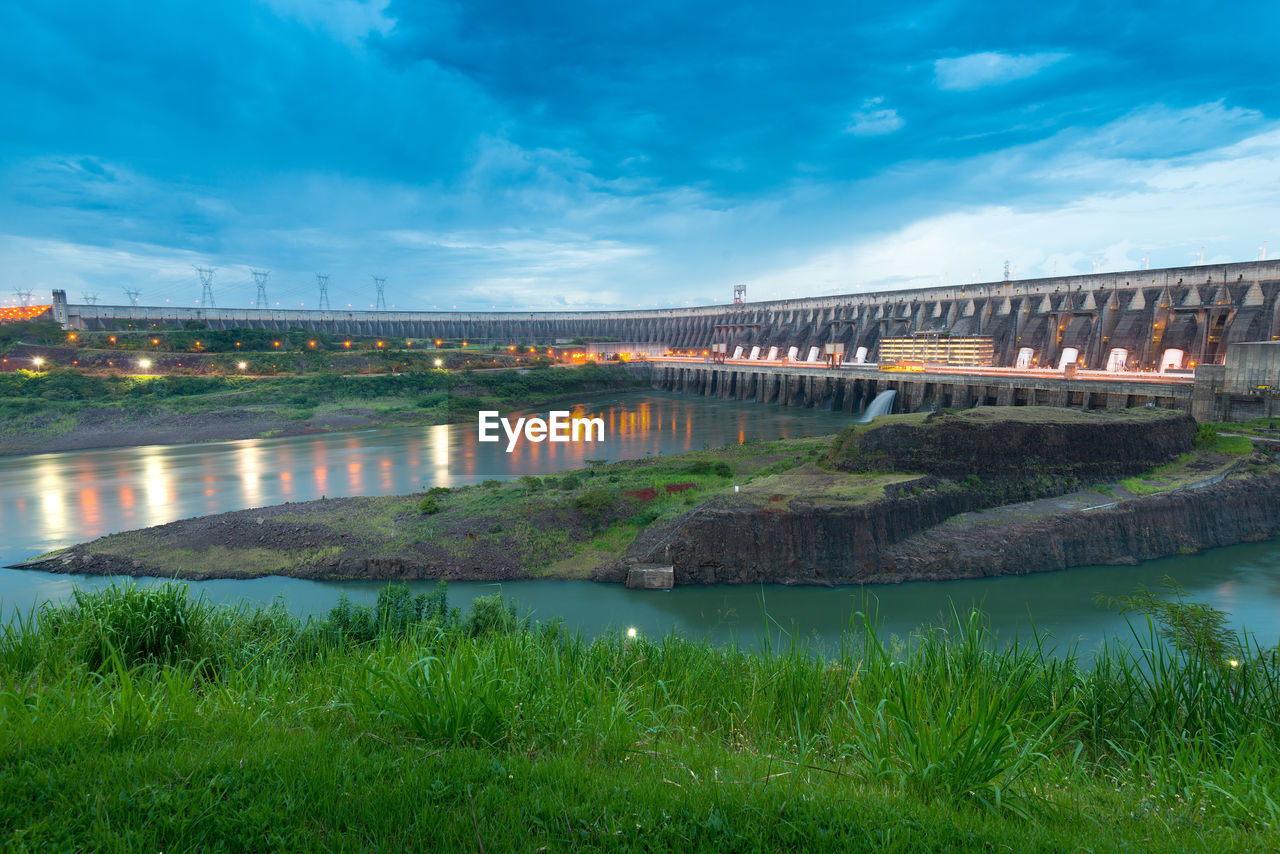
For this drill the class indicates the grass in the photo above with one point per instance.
(141, 719)
(1214, 454)
(36, 408)
(1255, 427)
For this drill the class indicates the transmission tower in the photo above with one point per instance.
(132, 294)
(206, 283)
(380, 283)
(1006, 271)
(739, 294)
(24, 297)
(90, 299)
(322, 279)
(260, 279)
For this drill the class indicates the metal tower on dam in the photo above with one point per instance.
(1199, 310)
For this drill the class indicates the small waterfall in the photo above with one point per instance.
(882, 405)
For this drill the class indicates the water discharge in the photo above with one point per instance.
(881, 405)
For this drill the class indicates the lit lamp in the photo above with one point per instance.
(242, 365)
(144, 364)
(439, 362)
(37, 361)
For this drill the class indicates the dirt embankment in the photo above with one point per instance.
(272, 541)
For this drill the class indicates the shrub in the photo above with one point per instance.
(428, 401)
(490, 615)
(596, 502)
(396, 613)
(139, 624)
(429, 505)
(719, 468)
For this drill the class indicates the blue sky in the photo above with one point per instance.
(587, 155)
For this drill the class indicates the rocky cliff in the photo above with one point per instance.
(1018, 442)
(904, 538)
(978, 459)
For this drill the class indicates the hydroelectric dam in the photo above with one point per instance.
(1121, 331)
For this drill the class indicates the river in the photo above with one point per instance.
(49, 501)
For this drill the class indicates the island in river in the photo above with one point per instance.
(986, 491)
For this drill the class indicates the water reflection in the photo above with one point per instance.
(52, 500)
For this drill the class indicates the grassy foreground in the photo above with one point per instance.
(139, 719)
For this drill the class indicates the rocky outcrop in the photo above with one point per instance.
(800, 542)
(1019, 442)
(1242, 508)
(896, 539)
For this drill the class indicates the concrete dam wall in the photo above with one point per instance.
(852, 389)
(1197, 311)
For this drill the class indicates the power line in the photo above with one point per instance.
(90, 299)
(260, 279)
(322, 279)
(132, 294)
(380, 283)
(206, 286)
(24, 297)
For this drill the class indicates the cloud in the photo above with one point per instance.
(1160, 211)
(873, 120)
(480, 152)
(349, 21)
(964, 73)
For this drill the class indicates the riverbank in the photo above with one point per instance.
(143, 720)
(769, 512)
(70, 410)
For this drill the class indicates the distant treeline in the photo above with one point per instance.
(68, 384)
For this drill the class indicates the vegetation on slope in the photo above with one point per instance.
(563, 526)
(140, 719)
(38, 407)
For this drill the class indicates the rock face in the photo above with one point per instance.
(803, 543)
(895, 539)
(1018, 442)
(1239, 509)
(974, 460)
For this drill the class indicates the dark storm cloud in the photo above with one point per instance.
(496, 152)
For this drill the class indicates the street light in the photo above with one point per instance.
(37, 361)
(242, 365)
(439, 362)
(145, 364)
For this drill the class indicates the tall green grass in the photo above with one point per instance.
(132, 713)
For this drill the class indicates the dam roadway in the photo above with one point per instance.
(1198, 311)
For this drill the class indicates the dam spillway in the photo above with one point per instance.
(1197, 311)
(851, 389)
